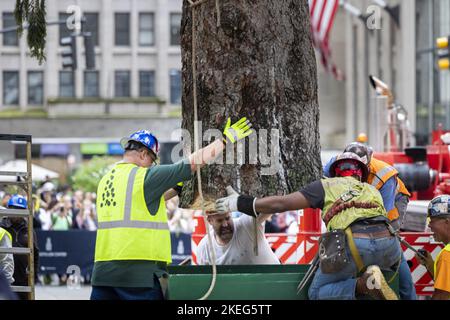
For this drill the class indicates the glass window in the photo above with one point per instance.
(63, 30)
(146, 29)
(175, 26)
(175, 86)
(432, 85)
(122, 83)
(66, 84)
(122, 28)
(147, 83)
(35, 87)
(91, 84)
(9, 38)
(91, 25)
(10, 87)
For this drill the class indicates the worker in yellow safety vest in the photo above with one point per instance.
(133, 239)
(439, 214)
(384, 178)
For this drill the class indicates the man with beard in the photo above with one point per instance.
(233, 239)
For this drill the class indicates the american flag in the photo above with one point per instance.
(322, 13)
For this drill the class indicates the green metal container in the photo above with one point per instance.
(255, 282)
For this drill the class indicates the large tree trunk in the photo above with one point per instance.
(258, 63)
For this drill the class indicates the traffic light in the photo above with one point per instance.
(89, 51)
(69, 53)
(444, 52)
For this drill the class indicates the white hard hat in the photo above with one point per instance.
(48, 186)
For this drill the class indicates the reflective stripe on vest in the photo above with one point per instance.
(379, 176)
(2, 234)
(447, 248)
(127, 230)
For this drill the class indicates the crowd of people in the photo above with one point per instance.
(61, 208)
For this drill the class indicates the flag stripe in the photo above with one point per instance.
(322, 16)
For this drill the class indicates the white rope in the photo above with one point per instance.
(210, 248)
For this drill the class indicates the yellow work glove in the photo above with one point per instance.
(179, 187)
(237, 131)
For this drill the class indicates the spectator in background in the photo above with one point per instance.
(272, 226)
(77, 207)
(48, 195)
(87, 219)
(37, 224)
(44, 217)
(287, 222)
(62, 217)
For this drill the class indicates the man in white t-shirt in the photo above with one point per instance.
(234, 239)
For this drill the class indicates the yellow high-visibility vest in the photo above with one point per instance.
(3, 232)
(126, 228)
(447, 248)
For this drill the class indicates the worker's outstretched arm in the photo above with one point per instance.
(269, 205)
(232, 134)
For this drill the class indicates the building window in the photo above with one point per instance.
(91, 25)
(147, 83)
(66, 84)
(63, 30)
(146, 29)
(35, 87)
(91, 84)
(175, 26)
(122, 25)
(9, 38)
(122, 83)
(10, 87)
(175, 86)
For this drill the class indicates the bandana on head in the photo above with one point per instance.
(348, 168)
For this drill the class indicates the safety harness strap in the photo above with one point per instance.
(354, 250)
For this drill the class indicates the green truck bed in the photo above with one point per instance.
(256, 282)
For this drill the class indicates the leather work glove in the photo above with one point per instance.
(229, 203)
(428, 262)
(237, 131)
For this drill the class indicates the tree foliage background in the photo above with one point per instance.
(89, 174)
(33, 12)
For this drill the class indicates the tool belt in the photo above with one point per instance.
(334, 246)
(333, 253)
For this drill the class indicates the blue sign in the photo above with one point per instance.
(58, 250)
(55, 149)
(115, 149)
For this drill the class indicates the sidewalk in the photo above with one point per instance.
(62, 293)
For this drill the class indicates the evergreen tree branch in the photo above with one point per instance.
(33, 12)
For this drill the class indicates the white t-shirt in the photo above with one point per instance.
(240, 248)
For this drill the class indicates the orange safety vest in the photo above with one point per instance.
(379, 173)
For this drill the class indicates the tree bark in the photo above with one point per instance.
(259, 63)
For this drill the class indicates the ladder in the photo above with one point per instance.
(24, 182)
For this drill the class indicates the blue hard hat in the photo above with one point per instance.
(17, 202)
(439, 206)
(144, 137)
